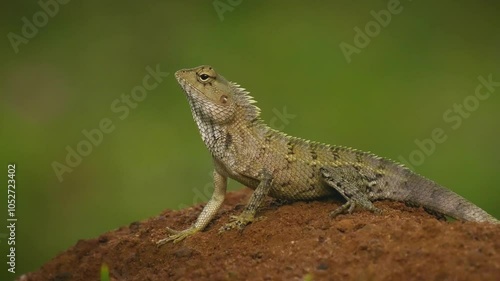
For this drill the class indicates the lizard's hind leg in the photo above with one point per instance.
(349, 183)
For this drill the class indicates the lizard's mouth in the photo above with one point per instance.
(190, 90)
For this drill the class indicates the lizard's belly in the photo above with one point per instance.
(290, 181)
(288, 185)
(300, 189)
(248, 179)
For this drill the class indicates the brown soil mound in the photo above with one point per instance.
(296, 241)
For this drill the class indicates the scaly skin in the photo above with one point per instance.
(245, 149)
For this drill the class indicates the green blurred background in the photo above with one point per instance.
(394, 91)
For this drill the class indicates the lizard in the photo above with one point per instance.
(275, 164)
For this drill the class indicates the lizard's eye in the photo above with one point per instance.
(204, 77)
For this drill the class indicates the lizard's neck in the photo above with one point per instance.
(231, 140)
(217, 137)
(223, 138)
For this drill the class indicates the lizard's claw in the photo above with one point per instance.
(237, 222)
(350, 205)
(176, 235)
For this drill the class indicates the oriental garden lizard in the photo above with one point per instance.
(272, 163)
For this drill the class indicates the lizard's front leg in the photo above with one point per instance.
(248, 214)
(208, 213)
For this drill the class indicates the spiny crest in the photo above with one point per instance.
(244, 99)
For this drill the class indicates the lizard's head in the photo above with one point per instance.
(214, 99)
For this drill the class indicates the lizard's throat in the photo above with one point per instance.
(212, 134)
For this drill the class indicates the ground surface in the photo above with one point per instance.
(294, 242)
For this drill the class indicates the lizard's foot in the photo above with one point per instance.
(177, 236)
(238, 222)
(341, 179)
(350, 205)
(346, 208)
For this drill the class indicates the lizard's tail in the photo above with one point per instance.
(414, 188)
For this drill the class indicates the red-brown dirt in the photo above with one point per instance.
(297, 241)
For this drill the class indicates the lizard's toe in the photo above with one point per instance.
(237, 222)
(176, 236)
(171, 231)
(345, 208)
